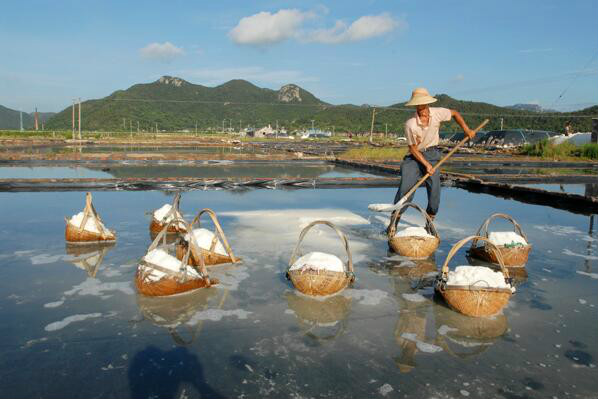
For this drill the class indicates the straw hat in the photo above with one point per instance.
(420, 96)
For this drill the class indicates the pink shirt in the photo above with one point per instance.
(426, 136)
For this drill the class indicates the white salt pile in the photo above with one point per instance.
(318, 261)
(160, 215)
(413, 232)
(203, 238)
(478, 276)
(89, 224)
(163, 259)
(380, 207)
(506, 238)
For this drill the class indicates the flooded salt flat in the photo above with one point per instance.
(78, 329)
(588, 190)
(207, 169)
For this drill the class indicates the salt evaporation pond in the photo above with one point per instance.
(68, 334)
(207, 169)
(135, 149)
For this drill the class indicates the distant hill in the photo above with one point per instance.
(10, 119)
(175, 104)
(531, 108)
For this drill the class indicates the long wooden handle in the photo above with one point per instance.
(447, 156)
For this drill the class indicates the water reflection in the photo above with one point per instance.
(89, 257)
(172, 312)
(463, 336)
(320, 319)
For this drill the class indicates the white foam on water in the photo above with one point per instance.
(568, 252)
(58, 325)
(44, 259)
(217, 315)
(592, 275)
(385, 389)
(558, 230)
(54, 304)
(111, 272)
(229, 279)
(414, 297)
(92, 286)
(582, 301)
(365, 297)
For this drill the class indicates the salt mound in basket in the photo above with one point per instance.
(214, 247)
(160, 274)
(166, 214)
(413, 242)
(87, 226)
(475, 291)
(513, 245)
(317, 273)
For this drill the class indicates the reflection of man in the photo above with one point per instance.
(422, 137)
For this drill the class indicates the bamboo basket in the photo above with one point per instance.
(77, 235)
(321, 282)
(512, 257)
(210, 256)
(156, 225)
(414, 246)
(174, 282)
(472, 300)
(89, 257)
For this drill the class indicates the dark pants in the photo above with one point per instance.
(412, 171)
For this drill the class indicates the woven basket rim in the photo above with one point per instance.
(475, 288)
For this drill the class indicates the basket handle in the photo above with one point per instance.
(338, 232)
(396, 217)
(458, 246)
(219, 232)
(192, 247)
(174, 209)
(483, 230)
(91, 210)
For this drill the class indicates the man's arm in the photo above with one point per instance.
(420, 158)
(459, 119)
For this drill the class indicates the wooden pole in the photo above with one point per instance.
(372, 126)
(73, 125)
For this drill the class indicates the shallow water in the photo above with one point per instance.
(69, 334)
(588, 190)
(214, 169)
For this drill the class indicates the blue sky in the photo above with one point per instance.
(501, 52)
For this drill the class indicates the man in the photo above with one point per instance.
(422, 137)
(568, 128)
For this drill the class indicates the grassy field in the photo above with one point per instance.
(564, 151)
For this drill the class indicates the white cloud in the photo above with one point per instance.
(363, 28)
(254, 74)
(265, 28)
(165, 52)
(458, 78)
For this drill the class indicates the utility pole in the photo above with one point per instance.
(501, 123)
(138, 127)
(79, 118)
(36, 120)
(156, 127)
(21, 120)
(73, 119)
(372, 127)
(124, 123)
(312, 125)
(195, 127)
(386, 131)
(239, 125)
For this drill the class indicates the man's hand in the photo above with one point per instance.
(430, 169)
(470, 133)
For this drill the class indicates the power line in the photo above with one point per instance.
(574, 79)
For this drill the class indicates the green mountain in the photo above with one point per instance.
(174, 104)
(10, 119)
